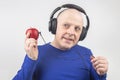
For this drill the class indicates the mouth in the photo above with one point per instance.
(68, 39)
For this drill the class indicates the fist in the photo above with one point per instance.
(100, 64)
(34, 33)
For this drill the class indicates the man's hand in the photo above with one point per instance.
(31, 47)
(100, 64)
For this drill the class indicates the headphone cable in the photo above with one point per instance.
(42, 37)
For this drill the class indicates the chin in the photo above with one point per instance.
(66, 46)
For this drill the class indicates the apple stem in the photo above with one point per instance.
(42, 37)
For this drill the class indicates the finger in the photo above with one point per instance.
(101, 71)
(28, 35)
(91, 57)
(103, 64)
(100, 57)
(29, 41)
(32, 40)
(97, 62)
(33, 45)
(100, 66)
(30, 48)
(93, 60)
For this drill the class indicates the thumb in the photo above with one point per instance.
(28, 35)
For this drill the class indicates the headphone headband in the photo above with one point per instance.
(74, 6)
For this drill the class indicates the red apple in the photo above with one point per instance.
(34, 33)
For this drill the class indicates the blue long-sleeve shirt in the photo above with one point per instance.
(55, 64)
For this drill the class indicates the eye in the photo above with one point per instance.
(66, 26)
(77, 28)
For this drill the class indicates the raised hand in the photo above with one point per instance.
(100, 64)
(31, 47)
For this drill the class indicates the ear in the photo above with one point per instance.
(53, 25)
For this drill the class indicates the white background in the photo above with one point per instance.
(18, 15)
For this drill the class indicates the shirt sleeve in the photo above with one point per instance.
(95, 76)
(27, 69)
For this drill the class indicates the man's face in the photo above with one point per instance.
(69, 28)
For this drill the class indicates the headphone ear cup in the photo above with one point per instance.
(83, 34)
(53, 25)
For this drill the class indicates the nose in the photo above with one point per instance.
(71, 31)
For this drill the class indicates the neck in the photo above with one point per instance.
(54, 44)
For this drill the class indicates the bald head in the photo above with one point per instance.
(71, 15)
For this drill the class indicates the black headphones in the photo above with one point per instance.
(53, 21)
